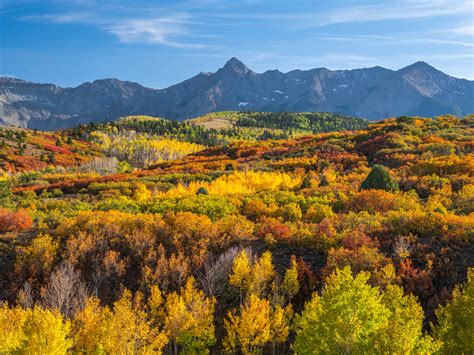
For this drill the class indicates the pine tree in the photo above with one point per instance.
(202, 191)
(379, 178)
(305, 183)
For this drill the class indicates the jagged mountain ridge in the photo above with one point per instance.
(374, 93)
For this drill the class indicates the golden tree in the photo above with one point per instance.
(189, 318)
(250, 329)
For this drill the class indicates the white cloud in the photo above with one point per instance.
(167, 29)
(448, 42)
(398, 10)
(467, 30)
(160, 30)
(407, 38)
(73, 17)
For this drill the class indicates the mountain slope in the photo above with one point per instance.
(373, 93)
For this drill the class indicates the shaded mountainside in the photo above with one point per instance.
(372, 93)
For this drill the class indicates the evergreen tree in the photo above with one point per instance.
(305, 183)
(379, 178)
(51, 158)
(202, 191)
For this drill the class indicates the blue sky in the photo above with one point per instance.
(159, 43)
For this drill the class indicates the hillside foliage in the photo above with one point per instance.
(356, 242)
(226, 127)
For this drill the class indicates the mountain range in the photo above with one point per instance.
(373, 93)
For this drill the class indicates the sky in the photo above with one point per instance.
(162, 42)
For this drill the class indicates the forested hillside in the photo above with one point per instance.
(225, 127)
(355, 241)
(23, 150)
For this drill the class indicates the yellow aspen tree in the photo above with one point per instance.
(250, 329)
(141, 193)
(403, 333)
(156, 310)
(200, 332)
(129, 330)
(45, 332)
(290, 284)
(241, 271)
(11, 328)
(263, 273)
(351, 316)
(90, 327)
(176, 318)
(346, 318)
(189, 319)
(280, 325)
(125, 329)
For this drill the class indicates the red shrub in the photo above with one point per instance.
(274, 228)
(14, 221)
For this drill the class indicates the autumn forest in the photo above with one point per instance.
(239, 232)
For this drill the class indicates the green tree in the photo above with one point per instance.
(51, 158)
(344, 319)
(379, 178)
(403, 333)
(306, 182)
(202, 191)
(5, 190)
(456, 320)
(123, 167)
(351, 316)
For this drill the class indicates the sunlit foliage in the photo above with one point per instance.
(151, 236)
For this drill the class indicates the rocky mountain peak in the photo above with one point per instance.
(234, 65)
(419, 66)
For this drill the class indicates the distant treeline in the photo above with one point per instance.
(243, 126)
